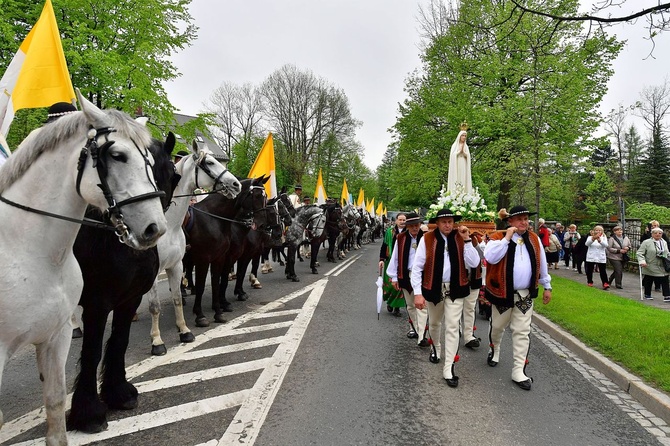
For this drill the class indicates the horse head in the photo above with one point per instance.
(114, 171)
(217, 177)
(283, 197)
(251, 203)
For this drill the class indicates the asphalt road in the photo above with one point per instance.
(308, 363)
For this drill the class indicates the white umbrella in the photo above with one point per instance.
(639, 268)
(380, 292)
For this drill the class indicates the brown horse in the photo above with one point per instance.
(218, 223)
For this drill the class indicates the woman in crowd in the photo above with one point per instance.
(617, 254)
(570, 240)
(553, 250)
(650, 257)
(596, 255)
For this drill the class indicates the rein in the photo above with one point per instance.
(248, 223)
(84, 221)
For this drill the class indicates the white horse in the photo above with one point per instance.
(199, 170)
(90, 157)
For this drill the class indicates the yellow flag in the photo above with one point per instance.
(385, 212)
(37, 76)
(320, 194)
(361, 198)
(371, 207)
(380, 208)
(265, 165)
(344, 197)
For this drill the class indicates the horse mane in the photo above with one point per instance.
(52, 136)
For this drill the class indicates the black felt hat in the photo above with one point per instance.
(412, 219)
(60, 109)
(444, 213)
(518, 210)
(298, 186)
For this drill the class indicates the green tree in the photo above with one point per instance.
(601, 196)
(118, 53)
(528, 89)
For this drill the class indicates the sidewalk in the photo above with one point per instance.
(631, 285)
(654, 400)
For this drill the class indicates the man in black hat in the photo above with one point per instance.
(440, 282)
(295, 197)
(516, 265)
(399, 269)
(180, 155)
(58, 110)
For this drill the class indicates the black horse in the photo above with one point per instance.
(259, 243)
(115, 279)
(217, 224)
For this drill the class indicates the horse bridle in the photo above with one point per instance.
(199, 163)
(247, 222)
(97, 154)
(98, 157)
(312, 231)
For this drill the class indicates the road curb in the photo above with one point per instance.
(653, 399)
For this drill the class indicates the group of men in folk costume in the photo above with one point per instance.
(439, 273)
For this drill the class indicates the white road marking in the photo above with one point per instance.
(249, 419)
(258, 399)
(201, 375)
(154, 419)
(342, 266)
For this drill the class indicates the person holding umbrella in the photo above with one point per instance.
(398, 270)
(515, 266)
(441, 283)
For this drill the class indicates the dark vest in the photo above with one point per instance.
(431, 286)
(404, 246)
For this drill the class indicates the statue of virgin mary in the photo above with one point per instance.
(459, 163)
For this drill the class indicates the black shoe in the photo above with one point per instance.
(433, 358)
(423, 343)
(389, 309)
(452, 382)
(412, 334)
(490, 361)
(525, 385)
(619, 287)
(396, 312)
(473, 343)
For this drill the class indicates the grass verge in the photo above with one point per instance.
(634, 335)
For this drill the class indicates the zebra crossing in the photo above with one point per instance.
(289, 315)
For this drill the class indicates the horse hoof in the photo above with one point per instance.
(295, 279)
(317, 264)
(77, 333)
(183, 302)
(201, 322)
(314, 271)
(227, 308)
(242, 296)
(158, 350)
(281, 263)
(257, 286)
(219, 318)
(186, 337)
(89, 427)
(300, 258)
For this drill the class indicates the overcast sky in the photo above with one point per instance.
(365, 47)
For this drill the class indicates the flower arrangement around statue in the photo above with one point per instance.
(470, 206)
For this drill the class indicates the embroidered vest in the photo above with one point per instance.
(500, 276)
(431, 286)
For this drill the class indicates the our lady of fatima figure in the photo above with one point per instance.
(459, 163)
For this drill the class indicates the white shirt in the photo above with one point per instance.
(597, 249)
(392, 269)
(496, 250)
(470, 255)
(295, 200)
